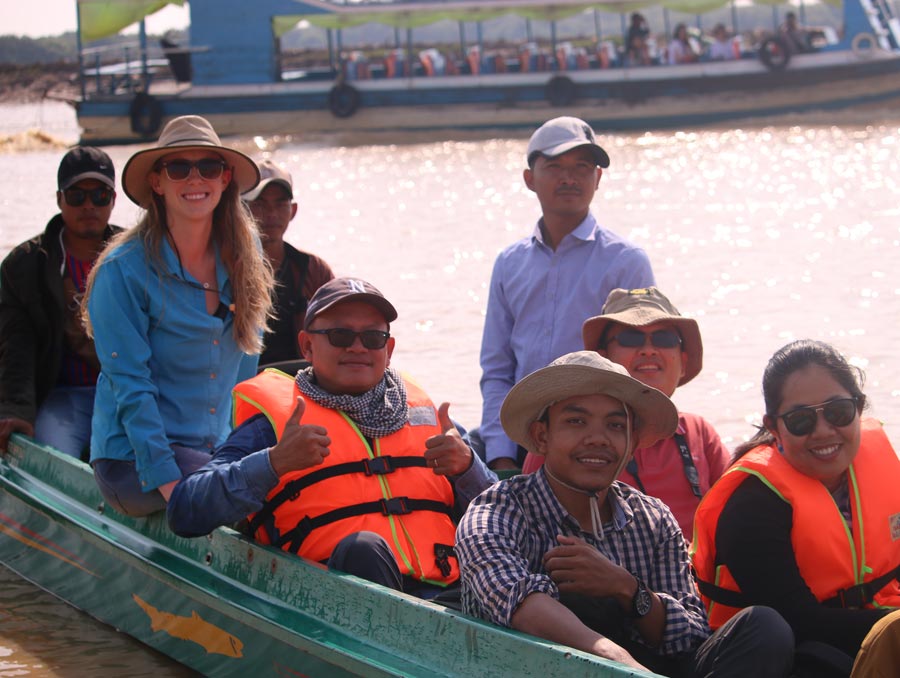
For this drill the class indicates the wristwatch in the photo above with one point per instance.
(642, 601)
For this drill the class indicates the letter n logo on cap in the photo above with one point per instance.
(356, 286)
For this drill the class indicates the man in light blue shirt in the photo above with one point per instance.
(544, 287)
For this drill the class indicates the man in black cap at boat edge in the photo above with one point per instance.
(48, 366)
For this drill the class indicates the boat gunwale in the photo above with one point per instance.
(273, 581)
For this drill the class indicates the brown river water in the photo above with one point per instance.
(764, 234)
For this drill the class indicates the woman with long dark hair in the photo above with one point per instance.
(807, 519)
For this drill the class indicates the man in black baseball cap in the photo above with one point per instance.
(48, 367)
(349, 462)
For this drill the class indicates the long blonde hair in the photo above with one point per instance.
(235, 232)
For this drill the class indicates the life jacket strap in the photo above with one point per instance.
(721, 595)
(859, 596)
(387, 507)
(853, 597)
(290, 492)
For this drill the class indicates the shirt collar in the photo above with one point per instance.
(585, 231)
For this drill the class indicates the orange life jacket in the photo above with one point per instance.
(381, 486)
(834, 563)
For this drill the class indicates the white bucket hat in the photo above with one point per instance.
(586, 373)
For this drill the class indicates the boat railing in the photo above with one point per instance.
(127, 68)
(358, 64)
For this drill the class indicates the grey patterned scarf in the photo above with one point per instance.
(378, 412)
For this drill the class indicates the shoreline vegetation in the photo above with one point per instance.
(31, 83)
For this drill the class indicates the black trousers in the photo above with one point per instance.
(755, 643)
(367, 555)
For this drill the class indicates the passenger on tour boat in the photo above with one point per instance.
(298, 274)
(48, 365)
(795, 37)
(681, 51)
(807, 519)
(544, 286)
(722, 47)
(642, 331)
(348, 463)
(637, 51)
(177, 307)
(571, 555)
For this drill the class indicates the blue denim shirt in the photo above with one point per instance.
(239, 477)
(539, 298)
(167, 365)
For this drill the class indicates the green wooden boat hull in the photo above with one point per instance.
(226, 606)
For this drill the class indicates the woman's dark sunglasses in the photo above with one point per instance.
(343, 338)
(179, 170)
(100, 197)
(637, 339)
(802, 420)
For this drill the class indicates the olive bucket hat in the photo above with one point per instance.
(642, 307)
(188, 132)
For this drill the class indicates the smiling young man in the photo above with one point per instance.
(48, 365)
(544, 286)
(571, 555)
(643, 331)
(298, 274)
(347, 463)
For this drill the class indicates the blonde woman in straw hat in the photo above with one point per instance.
(177, 307)
(571, 555)
(642, 330)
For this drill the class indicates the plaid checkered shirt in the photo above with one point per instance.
(502, 539)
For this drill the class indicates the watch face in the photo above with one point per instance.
(642, 601)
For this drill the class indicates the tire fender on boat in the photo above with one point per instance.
(864, 45)
(146, 114)
(774, 54)
(343, 100)
(560, 91)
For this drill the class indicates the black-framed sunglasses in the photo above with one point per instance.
(99, 197)
(179, 170)
(341, 337)
(631, 338)
(801, 421)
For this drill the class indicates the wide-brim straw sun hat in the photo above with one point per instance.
(188, 132)
(642, 307)
(586, 373)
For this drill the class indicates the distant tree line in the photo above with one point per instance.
(23, 50)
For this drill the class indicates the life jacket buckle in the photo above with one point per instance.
(854, 597)
(442, 554)
(378, 466)
(395, 506)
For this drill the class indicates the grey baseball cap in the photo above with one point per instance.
(561, 135)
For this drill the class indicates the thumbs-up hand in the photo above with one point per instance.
(447, 453)
(301, 446)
